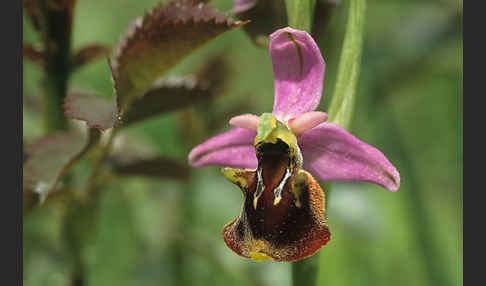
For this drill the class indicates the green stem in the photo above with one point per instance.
(341, 107)
(97, 171)
(56, 34)
(300, 13)
(54, 90)
(342, 103)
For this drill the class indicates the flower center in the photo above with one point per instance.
(274, 169)
(279, 157)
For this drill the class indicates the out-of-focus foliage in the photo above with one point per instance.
(159, 40)
(48, 159)
(157, 231)
(88, 54)
(165, 95)
(95, 111)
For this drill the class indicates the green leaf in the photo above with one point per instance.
(97, 112)
(50, 157)
(161, 39)
(342, 103)
(166, 95)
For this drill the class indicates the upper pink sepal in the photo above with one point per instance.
(298, 68)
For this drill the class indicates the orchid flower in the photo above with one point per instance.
(274, 158)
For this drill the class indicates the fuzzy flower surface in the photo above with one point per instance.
(276, 158)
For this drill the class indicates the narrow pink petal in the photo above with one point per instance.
(233, 149)
(240, 6)
(247, 121)
(332, 154)
(299, 68)
(306, 121)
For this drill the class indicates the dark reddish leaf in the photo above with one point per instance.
(66, 6)
(48, 159)
(31, 9)
(167, 95)
(174, 93)
(88, 54)
(31, 103)
(97, 112)
(133, 156)
(127, 149)
(155, 167)
(160, 39)
(33, 54)
(217, 72)
(31, 199)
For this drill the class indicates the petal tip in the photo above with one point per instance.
(334, 154)
(192, 156)
(278, 32)
(395, 178)
(306, 121)
(246, 121)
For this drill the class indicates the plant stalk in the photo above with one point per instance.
(300, 14)
(342, 103)
(56, 35)
(56, 27)
(305, 272)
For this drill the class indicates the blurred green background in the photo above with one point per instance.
(162, 232)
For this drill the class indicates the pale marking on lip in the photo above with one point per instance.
(260, 187)
(277, 192)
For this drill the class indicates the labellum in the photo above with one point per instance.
(283, 215)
